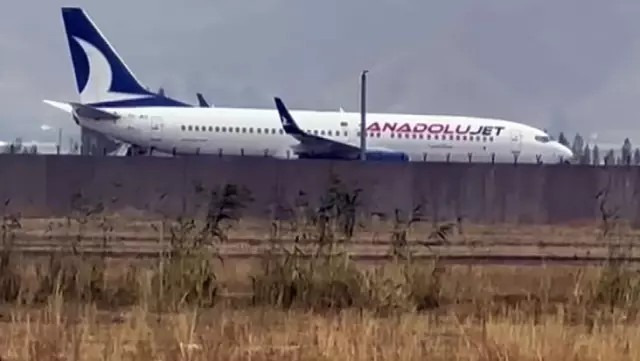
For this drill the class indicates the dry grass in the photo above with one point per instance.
(312, 304)
(263, 334)
(119, 227)
(328, 309)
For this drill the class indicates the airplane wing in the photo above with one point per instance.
(310, 142)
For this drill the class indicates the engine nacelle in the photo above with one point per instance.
(324, 156)
(372, 155)
(387, 156)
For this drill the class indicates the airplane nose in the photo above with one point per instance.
(564, 151)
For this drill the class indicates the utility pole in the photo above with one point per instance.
(363, 118)
(59, 145)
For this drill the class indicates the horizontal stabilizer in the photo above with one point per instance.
(66, 107)
(89, 112)
(83, 111)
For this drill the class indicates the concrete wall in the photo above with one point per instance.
(527, 193)
(94, 143)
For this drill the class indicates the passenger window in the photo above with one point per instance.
(464, 137)
(259, 130)
(414, 136)
(250, 130)
(435, 137)
(392, 135)
(421, 136)
(328, 132)
(428, 136)
(217, 129)
(345, 133)
(378, 135)
(457, 137)
(451, 137)
(280, 131)
(244, 130)
(491, 139)
(190, 128)
(183, 128)
(237, 129)
(484, 139)
(197, 128)
(210, 128)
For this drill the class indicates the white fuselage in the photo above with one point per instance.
(234, 131)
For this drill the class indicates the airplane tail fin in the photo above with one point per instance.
(102, 78)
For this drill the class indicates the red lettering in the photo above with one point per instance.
(435, 128)
(389, 126)
(404, 128)
(422, 127)
(419, 128)
(375, 127)
(465, 131)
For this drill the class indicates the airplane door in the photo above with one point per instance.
(516, 141)
(157, 127)
(350, 131)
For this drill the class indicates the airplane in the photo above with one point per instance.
(113, 102)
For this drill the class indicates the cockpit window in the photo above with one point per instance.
(542, 138)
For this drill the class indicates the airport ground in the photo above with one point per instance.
(191, 305)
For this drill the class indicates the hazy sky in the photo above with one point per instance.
(569, 65)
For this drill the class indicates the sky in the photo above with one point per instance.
(564, 65)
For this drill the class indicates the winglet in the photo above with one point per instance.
(201, 101)
(288, 123)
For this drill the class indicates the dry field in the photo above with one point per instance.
(192, 304)
(115, 233)
(189, 308)
(265, 334)
(376, 232)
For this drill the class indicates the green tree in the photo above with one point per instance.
(586, 155)
(562, 139)
(626, 152)
(595, 158)
(578, 146)
(610, 158)
(636, 157)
